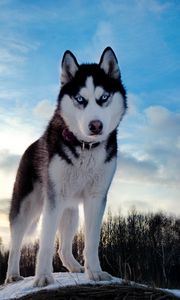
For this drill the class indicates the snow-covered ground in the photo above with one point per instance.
(174, 292)
(25, 287)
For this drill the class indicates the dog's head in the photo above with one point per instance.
(92, 99)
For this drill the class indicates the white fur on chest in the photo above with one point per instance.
(72, 181)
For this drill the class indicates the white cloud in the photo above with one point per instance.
(163, 122)
(15, 135)
(7, 56)
(44, 109)
(14, 54)
(19, 128)
(4, 205)
(4, 228)
(8, 162)
(134, 170)
(155, 6)
(9, 94)
(153, 135)
(149, 162)
(102, 37)
(136, 6)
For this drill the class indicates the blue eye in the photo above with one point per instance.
(79, 99)
(105, 97)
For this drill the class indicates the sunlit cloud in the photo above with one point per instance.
(148, 169)
(4, 228)
(44, 109)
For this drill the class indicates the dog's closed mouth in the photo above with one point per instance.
(95, 134)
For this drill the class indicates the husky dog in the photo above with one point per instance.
(73, 162)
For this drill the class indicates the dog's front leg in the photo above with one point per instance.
(93, 213)
(50, 220)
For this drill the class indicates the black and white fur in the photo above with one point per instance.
(73, 162)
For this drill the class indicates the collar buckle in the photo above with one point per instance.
(87, 145)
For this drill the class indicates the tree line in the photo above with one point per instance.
(144, 248)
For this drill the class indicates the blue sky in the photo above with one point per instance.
(145, 37)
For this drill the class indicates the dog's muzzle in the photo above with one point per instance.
(95, 127)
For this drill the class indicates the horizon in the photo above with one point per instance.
(145, 38)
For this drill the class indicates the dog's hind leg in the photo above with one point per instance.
(28, 215)
(17, 233)
(67, 229)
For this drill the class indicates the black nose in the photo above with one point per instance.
(96, 126)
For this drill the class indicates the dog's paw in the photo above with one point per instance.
(70, 263)
(98, 275)
(13, 278)
(43, 280)
(76, 269)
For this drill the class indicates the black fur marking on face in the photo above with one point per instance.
(100, 78)
(79, 101)
(111, 146)
(104, 100)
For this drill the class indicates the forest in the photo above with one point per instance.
(144, 248)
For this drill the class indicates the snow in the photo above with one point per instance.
(25, 287)
(174, 292)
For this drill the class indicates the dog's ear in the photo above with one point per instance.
(109, 63)
(69, 67)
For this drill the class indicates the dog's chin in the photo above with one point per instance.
(93, 138)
